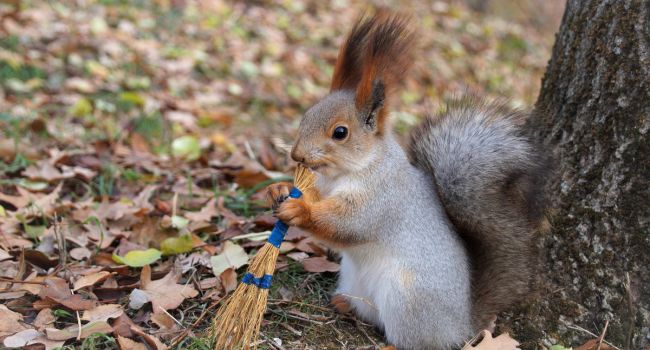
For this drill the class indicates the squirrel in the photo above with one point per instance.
(435, 238)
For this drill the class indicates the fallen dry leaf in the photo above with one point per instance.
(286, 247)
(206, 213)
(320, 264)
(148, 231)
(30, 337)
(247, 172)
(165, 293)
(231, 256)
(103, 312)
(164, 321)
(142, 200)
(91, 279)
(228, 280)
(10, 322)
(57, 290)
(139, 143)
(122, 326)
(80, 253)
(309, 245)
(43, 319)
(73, 331)
(501, 342)
(4, 255)
(228, 215)
(33, 288)
(298, 256)
(265, 221)
(208, 283)
(152, 341)
(43, 170)
(77, 171)
(10, 240)
(40, 259)
(116, 210)
(592, 344)
(21, 338)
(128, 344)
(32, 203)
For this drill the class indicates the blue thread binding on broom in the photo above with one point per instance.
(280, 228)
(263, 282)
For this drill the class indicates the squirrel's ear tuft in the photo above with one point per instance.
(347, 71)
(378, 48)
(387, 56)
(373, 113)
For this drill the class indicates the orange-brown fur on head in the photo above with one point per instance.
(372, 60)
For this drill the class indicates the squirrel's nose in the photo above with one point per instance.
(296, 154)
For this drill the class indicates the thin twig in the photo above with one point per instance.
(61, 244)
(174, 203)
(249, 150)
(363, 330)
(364, 300)
(78, 324)
(474, 340)
(5, 279)
(280, 301)
(172, 317)
(297, 317)
(272, 342)
(306, 281)
(22, 266)
(291, 329)
(578, 328)
(78, 320)
(602, 335)
(182, 336)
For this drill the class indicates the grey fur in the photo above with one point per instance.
(489, 177)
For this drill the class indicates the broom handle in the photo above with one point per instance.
(280, 228)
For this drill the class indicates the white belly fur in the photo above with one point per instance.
(363, 271)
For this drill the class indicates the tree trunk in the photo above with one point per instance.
(594, 114)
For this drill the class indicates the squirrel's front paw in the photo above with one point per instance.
(294, 212)
(277, 193)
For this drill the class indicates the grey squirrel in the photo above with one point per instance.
(435, 239)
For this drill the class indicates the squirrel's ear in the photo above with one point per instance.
(372, 112)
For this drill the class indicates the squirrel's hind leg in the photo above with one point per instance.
(341, 304)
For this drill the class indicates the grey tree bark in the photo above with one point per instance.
(593, 112)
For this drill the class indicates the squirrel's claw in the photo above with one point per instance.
(277, 193)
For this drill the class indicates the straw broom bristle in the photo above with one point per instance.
(237, 323)
(304, 178)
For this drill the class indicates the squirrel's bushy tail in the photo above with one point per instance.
(490, 179)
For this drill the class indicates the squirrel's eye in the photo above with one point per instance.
(340, 133)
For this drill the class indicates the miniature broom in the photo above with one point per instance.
(237, 323)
